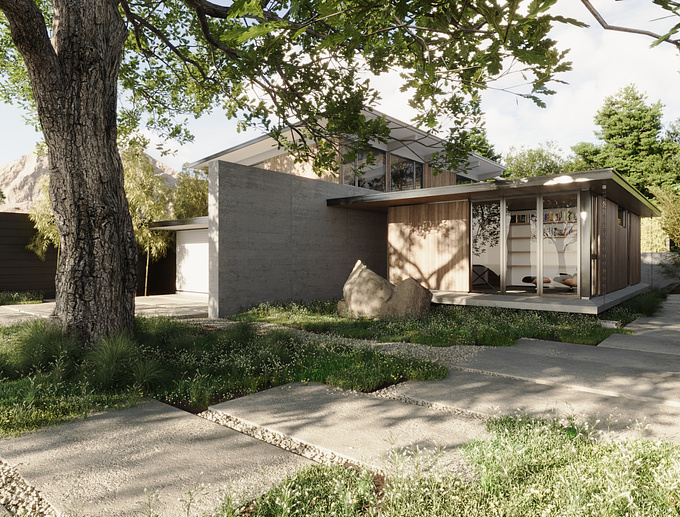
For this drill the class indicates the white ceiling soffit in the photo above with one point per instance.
(406, 141)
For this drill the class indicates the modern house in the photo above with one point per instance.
(277, 231)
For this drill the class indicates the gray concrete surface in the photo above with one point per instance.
(274, 238)
(175, 305)
(100, 466)
(362, 428)
(659, 333)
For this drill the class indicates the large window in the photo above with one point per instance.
(405, 174)
(522, 260)
(485, 244)
(367, 170)
(560, 243)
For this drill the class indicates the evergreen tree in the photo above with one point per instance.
(634, 142)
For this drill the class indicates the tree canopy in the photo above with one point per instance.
(190, 198)
(634, 141)
(545, 159)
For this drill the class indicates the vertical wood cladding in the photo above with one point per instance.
(430, 243)
(443, 179)
(634, 254)
(622, 258)
(21, 269)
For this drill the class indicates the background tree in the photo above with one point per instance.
(190, 197)
(148, 198)
(546, 159)
(43, 220)
(2, 197)
(668, 200)
(526, 161)
(634, 141)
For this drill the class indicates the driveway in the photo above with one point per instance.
(176, 305)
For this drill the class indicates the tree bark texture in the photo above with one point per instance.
(74, 80)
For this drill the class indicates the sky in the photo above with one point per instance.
(603, 63)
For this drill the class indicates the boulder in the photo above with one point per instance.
(368, 295)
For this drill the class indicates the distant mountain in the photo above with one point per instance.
(20, 180)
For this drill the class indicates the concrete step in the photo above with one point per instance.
(491, 395)
(658, 342)
(356, 427)
(553, 350)
(643, 376)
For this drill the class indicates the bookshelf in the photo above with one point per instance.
(559, 249)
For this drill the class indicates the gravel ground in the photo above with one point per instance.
(19, 498)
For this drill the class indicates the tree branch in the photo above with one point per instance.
(29, 34)
(138, 21)
(630, 30)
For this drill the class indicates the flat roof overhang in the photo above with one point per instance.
(617, 190)
(195, 223)
(405, 141)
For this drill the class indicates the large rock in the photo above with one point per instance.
(368, 295)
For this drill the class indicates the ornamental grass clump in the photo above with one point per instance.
(52, 378)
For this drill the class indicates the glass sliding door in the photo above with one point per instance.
(560, 244)
(521, 275)
(485, 247)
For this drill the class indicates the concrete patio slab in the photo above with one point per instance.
(102, 465)
(361, 428)
(621, 373)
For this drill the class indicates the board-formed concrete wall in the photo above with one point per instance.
(272, 237)
(653, 273)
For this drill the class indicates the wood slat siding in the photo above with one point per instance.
(443, 179)
(617, 250)
(635, 256)
(21, 269)
(430, 244)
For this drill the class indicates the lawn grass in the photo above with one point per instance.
(445, 325)
(49, 378)
(20, 298)
(527, 467)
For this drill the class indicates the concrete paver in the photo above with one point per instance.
(603, 370)
(101, 465)
(362, 428)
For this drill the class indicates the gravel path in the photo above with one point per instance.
(19, 498)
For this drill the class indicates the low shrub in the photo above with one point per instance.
(448, 325)
(20, 298)
(54, 379)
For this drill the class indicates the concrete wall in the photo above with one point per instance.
(272, 237)
(652, 273)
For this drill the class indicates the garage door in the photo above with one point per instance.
(192, 261)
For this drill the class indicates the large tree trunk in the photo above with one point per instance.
(74, 81)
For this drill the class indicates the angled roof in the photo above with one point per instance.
(617, 189)
(406, 141)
